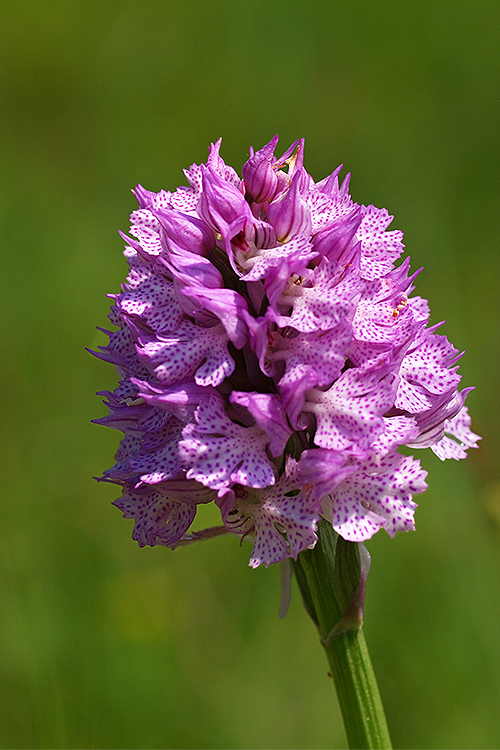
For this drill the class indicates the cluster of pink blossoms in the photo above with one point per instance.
(273, 360)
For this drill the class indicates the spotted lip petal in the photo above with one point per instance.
(378, 495)
(159, 518)
(218, 453)
(321, 300)
(192, 351)
(458, 437)
(350, 413)
(311, 360)
(273, 359)
(282, 519)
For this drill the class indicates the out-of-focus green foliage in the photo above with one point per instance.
(102, 644)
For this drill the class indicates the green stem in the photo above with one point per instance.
(331, 579)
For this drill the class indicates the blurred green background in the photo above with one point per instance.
(103, 645)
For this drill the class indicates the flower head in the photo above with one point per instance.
(272, 359)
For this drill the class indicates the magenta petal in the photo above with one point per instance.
(323, 300)
(182, 400)
(324, 470)
(151, 297)
(268, 412)
(228, 306)
(427, 373)
(277, 264)
(337, 241)
(158, 460)
(379, 249)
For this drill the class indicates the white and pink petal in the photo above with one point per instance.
(378, 495)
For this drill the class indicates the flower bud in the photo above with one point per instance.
(334, 241)
(290, 215)
(221, 203)
(261, 180)
(143, 196)
(183, 232)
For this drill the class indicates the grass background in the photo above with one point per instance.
(103, 645)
